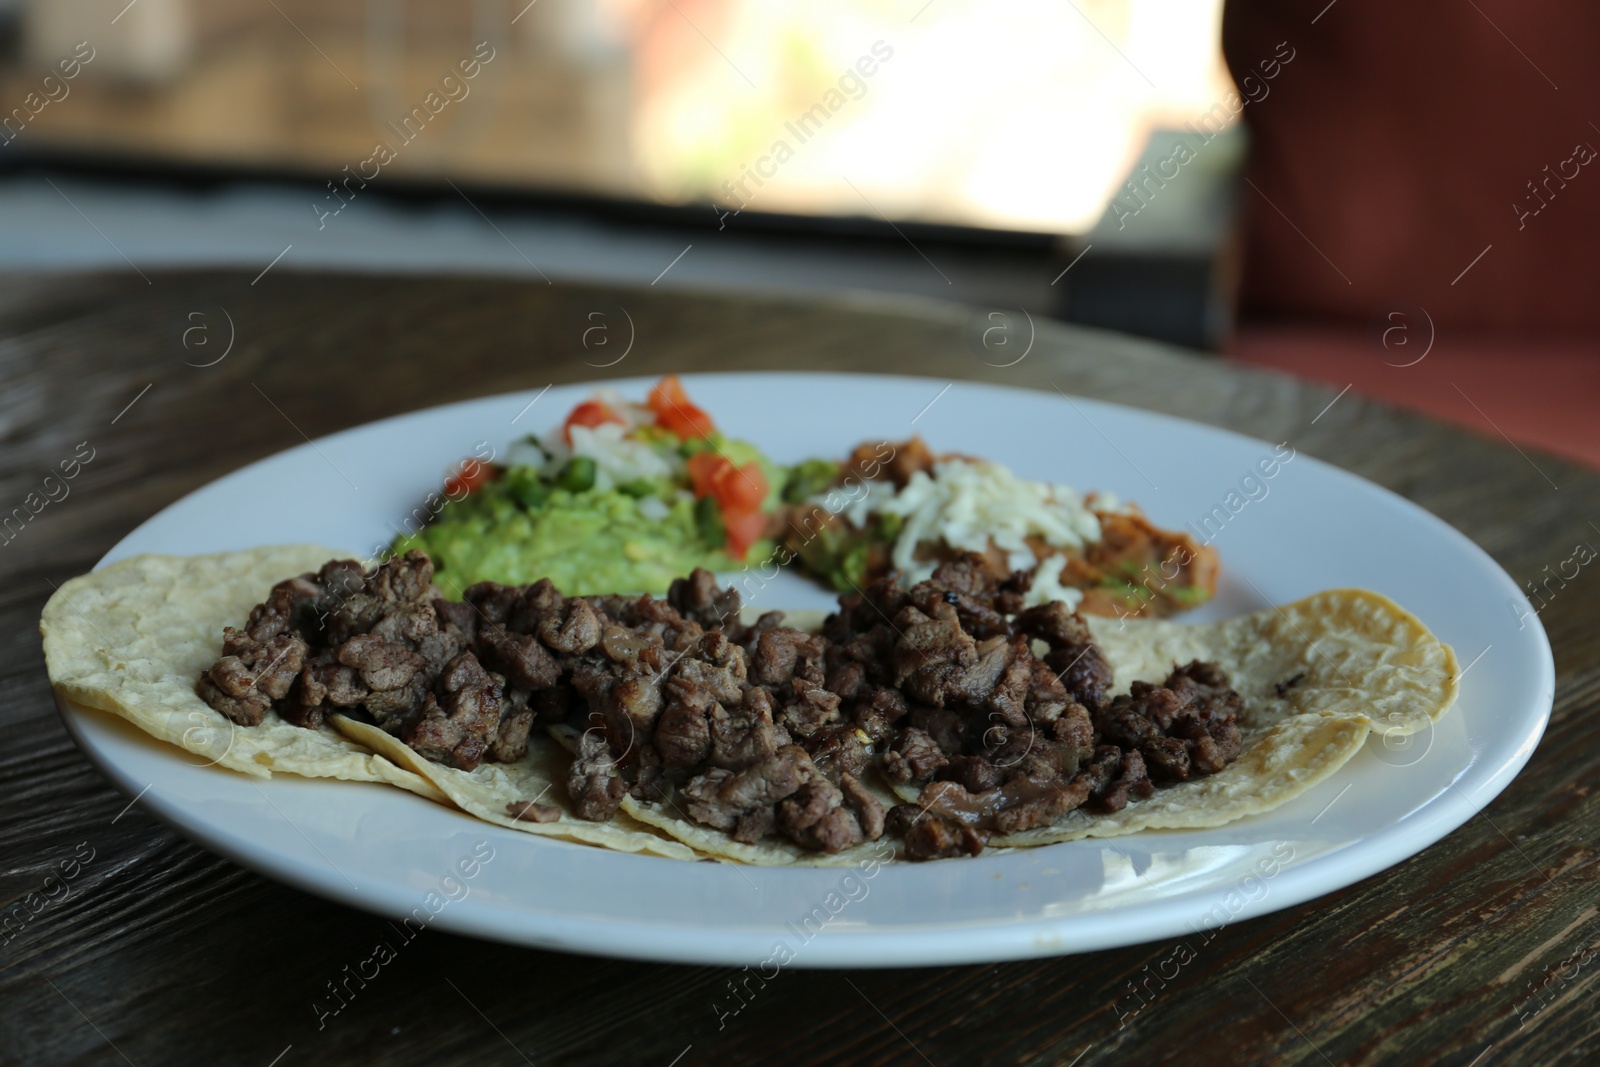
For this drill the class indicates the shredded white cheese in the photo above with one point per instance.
(1047, 585)
(971, 505)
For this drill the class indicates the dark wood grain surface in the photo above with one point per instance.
(1481, 950)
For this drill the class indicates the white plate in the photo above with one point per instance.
(1315, 528)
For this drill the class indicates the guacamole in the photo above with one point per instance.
(586, 542)
(590, 523)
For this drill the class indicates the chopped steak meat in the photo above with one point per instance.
(932, 835)
(753, 730)
(781, 653)
(1001, 740)
(683, 736)
(458, 726)
(913, 756)
(593, 781)
(1131, 781)
(699, 598)
(868, 808)
(933, 654)
(522, 659)
(511, 739)
(723, 798)
(1187, 727)
(1074, 657)
(383, 664)
(815, 816)
(531, 811)
(743, 734)
(573, 628)
(383, 646)
(973, 773)
(838, 750)
(254, 672)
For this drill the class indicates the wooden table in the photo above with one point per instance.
(162, 952)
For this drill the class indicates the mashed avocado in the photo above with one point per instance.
(586, 535)
(586, 543)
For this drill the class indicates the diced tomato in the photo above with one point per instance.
(473, 474)
(703, 470)
(739, 493)
(590, 413)
(739, 488)
(735, 488)
(687, 421)
(676, 412)
(744, 529)
(667, 392)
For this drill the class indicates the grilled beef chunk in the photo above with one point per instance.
(966, 584)
(683, 736)
(781, 653)
(593, 781)
(846, 681)
(1187, 727)
(814, 816)
(932, 835)
(828, 817)
(933, 654)
(725, 799)
(876, 712)
(1131, 781)
(1213, 725)
(838, 750)
(572, 628)
(913, 756)
(522, 659)
(743, 734)
(973, 773)
(868, 809)
(530, 811)
(511, 739)
(752, 730)
(1074, 657)
(459, 724)
(253, 673)
(699, 598)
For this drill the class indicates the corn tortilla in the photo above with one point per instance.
(1316, 676)
(132, 638)
(1358, 664)
(670, 818)
(540, 776)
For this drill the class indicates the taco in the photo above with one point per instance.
(139, 639)
(949, 716)
(131, 639)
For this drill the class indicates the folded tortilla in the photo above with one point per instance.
(1316, 677)
(539, 777)
(1349, 662)
(132, 638)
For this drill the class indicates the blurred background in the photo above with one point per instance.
(1390, 200)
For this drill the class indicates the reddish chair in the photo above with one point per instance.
(1421, 173)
